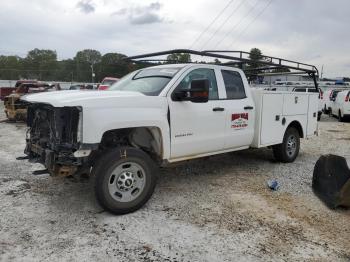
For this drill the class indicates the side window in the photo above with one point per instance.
(233, 84)
(201, 73)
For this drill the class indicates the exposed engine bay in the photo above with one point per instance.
(53, 137)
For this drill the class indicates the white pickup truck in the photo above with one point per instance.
(160, 115)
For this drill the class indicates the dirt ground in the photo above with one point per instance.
(213, 209)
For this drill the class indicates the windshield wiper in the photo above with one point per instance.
(163, 76)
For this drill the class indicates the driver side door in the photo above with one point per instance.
(197, 128)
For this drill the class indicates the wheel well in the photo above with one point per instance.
(298, 127)
(149, 139)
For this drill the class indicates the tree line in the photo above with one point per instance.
(87, 65)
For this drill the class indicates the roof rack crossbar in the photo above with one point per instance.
(268, 61)
(214, 54)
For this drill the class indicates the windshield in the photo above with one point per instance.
(149, 81)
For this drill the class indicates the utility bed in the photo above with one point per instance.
(277, 109)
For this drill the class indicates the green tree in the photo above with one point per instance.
(255, 55)
(40, 64)
(114, 65)
(87, 61)
(9, 67)
(66, 70)
(217, 61)
(179, 58)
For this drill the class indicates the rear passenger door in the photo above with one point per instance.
(239, 108)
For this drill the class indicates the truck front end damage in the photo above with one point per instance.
(53, 137)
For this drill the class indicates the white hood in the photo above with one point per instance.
(78, 98)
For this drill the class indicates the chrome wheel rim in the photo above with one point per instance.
(291, 145)
(126, 182)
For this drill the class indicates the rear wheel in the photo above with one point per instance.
(340, 118)
(289, 149)
(325, 109)
(330, 112)
(125, 180)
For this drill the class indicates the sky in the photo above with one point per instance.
(309, 31)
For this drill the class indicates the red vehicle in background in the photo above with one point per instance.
(5, 91)
(107, 82)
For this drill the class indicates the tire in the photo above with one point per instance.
(330, 112)
(289, 149)
(325, 110)
(340, 118)
(125, 179)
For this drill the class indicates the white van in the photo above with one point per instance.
(341, 106)
(329, 101)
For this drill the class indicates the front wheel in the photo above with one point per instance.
(125, 180)
(289, 149)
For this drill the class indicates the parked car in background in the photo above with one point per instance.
(6, 91)
(54, 87)
(332, 98)
(327, 103)
(313, 90)
(107, 82)
(341, 107)
(77, 87)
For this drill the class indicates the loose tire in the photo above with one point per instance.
(289, 149)
(124, 180)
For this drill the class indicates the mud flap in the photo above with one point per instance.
(331, 181)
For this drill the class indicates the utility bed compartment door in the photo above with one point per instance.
(271, 128)
(312, 114)
(295, 104)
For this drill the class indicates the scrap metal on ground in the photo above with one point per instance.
(15, 108)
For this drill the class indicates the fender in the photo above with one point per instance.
(97, 121)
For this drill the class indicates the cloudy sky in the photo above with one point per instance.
(310, 31)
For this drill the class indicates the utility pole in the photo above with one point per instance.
(322, 72)
(92, 73)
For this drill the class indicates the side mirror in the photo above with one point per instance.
(198, 92)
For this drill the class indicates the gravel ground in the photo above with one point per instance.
(212, 209)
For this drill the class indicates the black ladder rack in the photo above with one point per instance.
(237, 59)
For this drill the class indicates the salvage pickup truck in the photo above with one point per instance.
(159, 115)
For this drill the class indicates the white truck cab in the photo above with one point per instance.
(160, 115)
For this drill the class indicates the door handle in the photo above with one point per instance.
(248, 108)
(215, 109)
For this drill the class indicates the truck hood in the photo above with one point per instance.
(82, 98)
